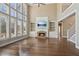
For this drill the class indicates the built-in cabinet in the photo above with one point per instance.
(51, 26)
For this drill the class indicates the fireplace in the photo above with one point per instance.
(41, 34)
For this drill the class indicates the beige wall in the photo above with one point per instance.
(59, 10)
(67, 23)
(49, 11)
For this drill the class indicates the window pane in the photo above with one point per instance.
(24, 28)
(4, 8)
(13, 13)
(24, 25)
(24, 18)
(24, 9)
(19, 27)
(13, 5)
(19, 16)
(3, 26)
(19, 7)
(13, 27)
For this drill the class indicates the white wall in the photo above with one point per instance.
(74, 8)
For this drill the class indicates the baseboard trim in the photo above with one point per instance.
(11, 41)
(46, 37)
(64, 36)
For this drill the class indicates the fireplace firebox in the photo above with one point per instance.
(41, 34)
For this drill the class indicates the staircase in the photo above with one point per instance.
(71, 34)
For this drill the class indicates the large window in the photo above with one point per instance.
(4, 8)
(3, 26)
(13, 20)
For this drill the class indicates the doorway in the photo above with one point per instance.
(60, 30)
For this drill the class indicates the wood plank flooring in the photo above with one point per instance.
(40, 47)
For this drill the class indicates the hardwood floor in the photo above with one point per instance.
(40, 47)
